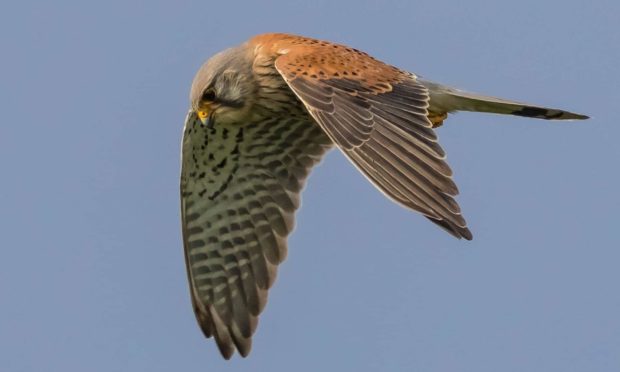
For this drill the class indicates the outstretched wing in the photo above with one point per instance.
(378, 117)
(240, 187)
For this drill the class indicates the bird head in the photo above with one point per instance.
(223, 88)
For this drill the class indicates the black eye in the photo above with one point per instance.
(208, 95)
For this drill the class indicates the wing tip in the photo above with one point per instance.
(466, 234)
(462, 233)
(454, 230)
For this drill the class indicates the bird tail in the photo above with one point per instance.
(444, 100)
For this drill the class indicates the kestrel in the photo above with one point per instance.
(262, 115)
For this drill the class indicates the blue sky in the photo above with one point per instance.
(92, 277)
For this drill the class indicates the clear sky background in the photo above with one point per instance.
(93, 97)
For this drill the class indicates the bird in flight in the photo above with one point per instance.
(262, 115)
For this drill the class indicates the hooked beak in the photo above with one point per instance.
(206, 118)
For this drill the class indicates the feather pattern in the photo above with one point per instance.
(240, 188)
(382, 126)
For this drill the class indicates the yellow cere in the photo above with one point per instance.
(203, 115)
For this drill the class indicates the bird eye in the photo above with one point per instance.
(208, 95)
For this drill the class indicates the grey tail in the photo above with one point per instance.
(444, 100)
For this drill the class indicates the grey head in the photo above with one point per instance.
(223, 87)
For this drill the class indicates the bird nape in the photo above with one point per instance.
(262, 115)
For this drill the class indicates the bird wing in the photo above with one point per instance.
(377, 115)
(240, 187)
